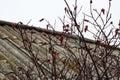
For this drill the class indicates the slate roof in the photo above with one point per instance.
(13, 54)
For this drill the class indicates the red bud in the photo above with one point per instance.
(91, 2)
(44, 34)
(101, 54)
(32, 31)
(41, 19)
(86, 20)
(13, 25)
(98, 41)
(61, 38)
(103, 10)
(86, 28)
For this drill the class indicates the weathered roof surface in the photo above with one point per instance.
(12, 53)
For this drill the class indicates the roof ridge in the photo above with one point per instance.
(50, 32)
(43, 30)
